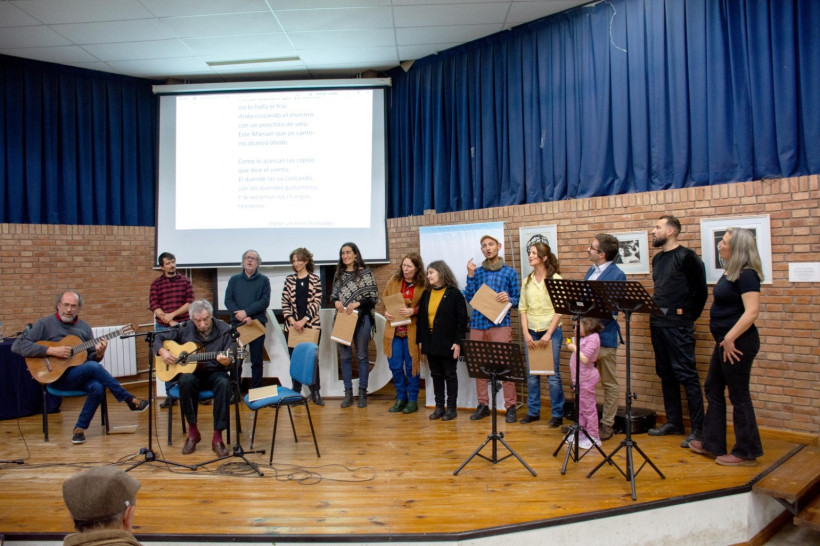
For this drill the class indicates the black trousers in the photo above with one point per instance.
(736, 377)
(675, 365)
(190, 384)
(444, 372)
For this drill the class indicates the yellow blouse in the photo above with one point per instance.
(536, 303)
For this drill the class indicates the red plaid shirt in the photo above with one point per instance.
(169, 294)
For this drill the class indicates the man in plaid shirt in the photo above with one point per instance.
(169, 298)
(504, 280)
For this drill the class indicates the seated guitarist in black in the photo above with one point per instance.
(88, 376)
(210, 336)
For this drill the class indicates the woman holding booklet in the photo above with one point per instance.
(301, 299)
(540, 324)
(355, 291)
(442, 325)
(404, 289)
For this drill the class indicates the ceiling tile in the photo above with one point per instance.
(161, 68)
(451, 34)
(343, 38)
(335, 19)
(22, 37)
(241, 47)
(61, 54)
(352, 56)
(53, 12)
(174, 8)
(12, 16)
(115, 31)
(223, 25)
(451, 14)
(151, 49)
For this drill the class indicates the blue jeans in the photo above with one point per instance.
(92, 378)
(407, 384)
(361, 338)
(556, 389)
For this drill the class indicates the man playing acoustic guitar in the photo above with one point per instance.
(51, 341)
(210, 336)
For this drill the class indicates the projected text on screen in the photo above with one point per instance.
(274, 160)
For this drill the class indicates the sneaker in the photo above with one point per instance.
(555, 422)
(584, 443)
(511, 415)
(697, 447)
(79, 436)
(596, 441)
(694, 435)
(481, 412)
(137, 404)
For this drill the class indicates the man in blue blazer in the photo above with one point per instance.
(602, 251)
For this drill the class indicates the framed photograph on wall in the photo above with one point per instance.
(527, 233)
(712, 231)
(633, 252)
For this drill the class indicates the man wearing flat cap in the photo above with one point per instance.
(102, 502)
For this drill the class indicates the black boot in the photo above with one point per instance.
(317, 399)
(362, 398)
(348, 401)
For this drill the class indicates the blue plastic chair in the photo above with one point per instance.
(173, 395)
(302, 364)
(54, 391)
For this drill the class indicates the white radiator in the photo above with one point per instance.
(121, 356)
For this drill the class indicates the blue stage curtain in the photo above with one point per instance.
(76, 146)
(622, 96)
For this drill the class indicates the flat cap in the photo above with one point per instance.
(99, 493)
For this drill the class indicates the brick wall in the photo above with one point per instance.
(786, 375)
(111, 267)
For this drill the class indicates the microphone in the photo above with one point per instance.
(178, 325)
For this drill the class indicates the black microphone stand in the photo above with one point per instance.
(237, 449)
(150, 456)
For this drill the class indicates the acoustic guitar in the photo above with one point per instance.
(187, 359)
(49, 369)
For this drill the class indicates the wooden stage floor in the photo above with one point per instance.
(380, 475)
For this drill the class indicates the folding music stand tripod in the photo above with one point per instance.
(628, 297)
(150, 456)
(237, 450)
(494, 361)
(576, 298)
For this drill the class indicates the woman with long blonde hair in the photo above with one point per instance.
(735, 307)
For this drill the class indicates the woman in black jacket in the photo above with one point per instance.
(441, 325)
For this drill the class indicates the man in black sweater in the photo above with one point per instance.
(680, 292)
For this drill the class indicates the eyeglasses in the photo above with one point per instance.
(593, 248)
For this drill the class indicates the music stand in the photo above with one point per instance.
(494, 361)
(628, 297)
(236, 450)
(576, 298)
(150, 456)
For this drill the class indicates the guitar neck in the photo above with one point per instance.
(91, 343)
(196, 357)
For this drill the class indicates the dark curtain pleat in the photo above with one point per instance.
(623, 96)
(78, 147)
